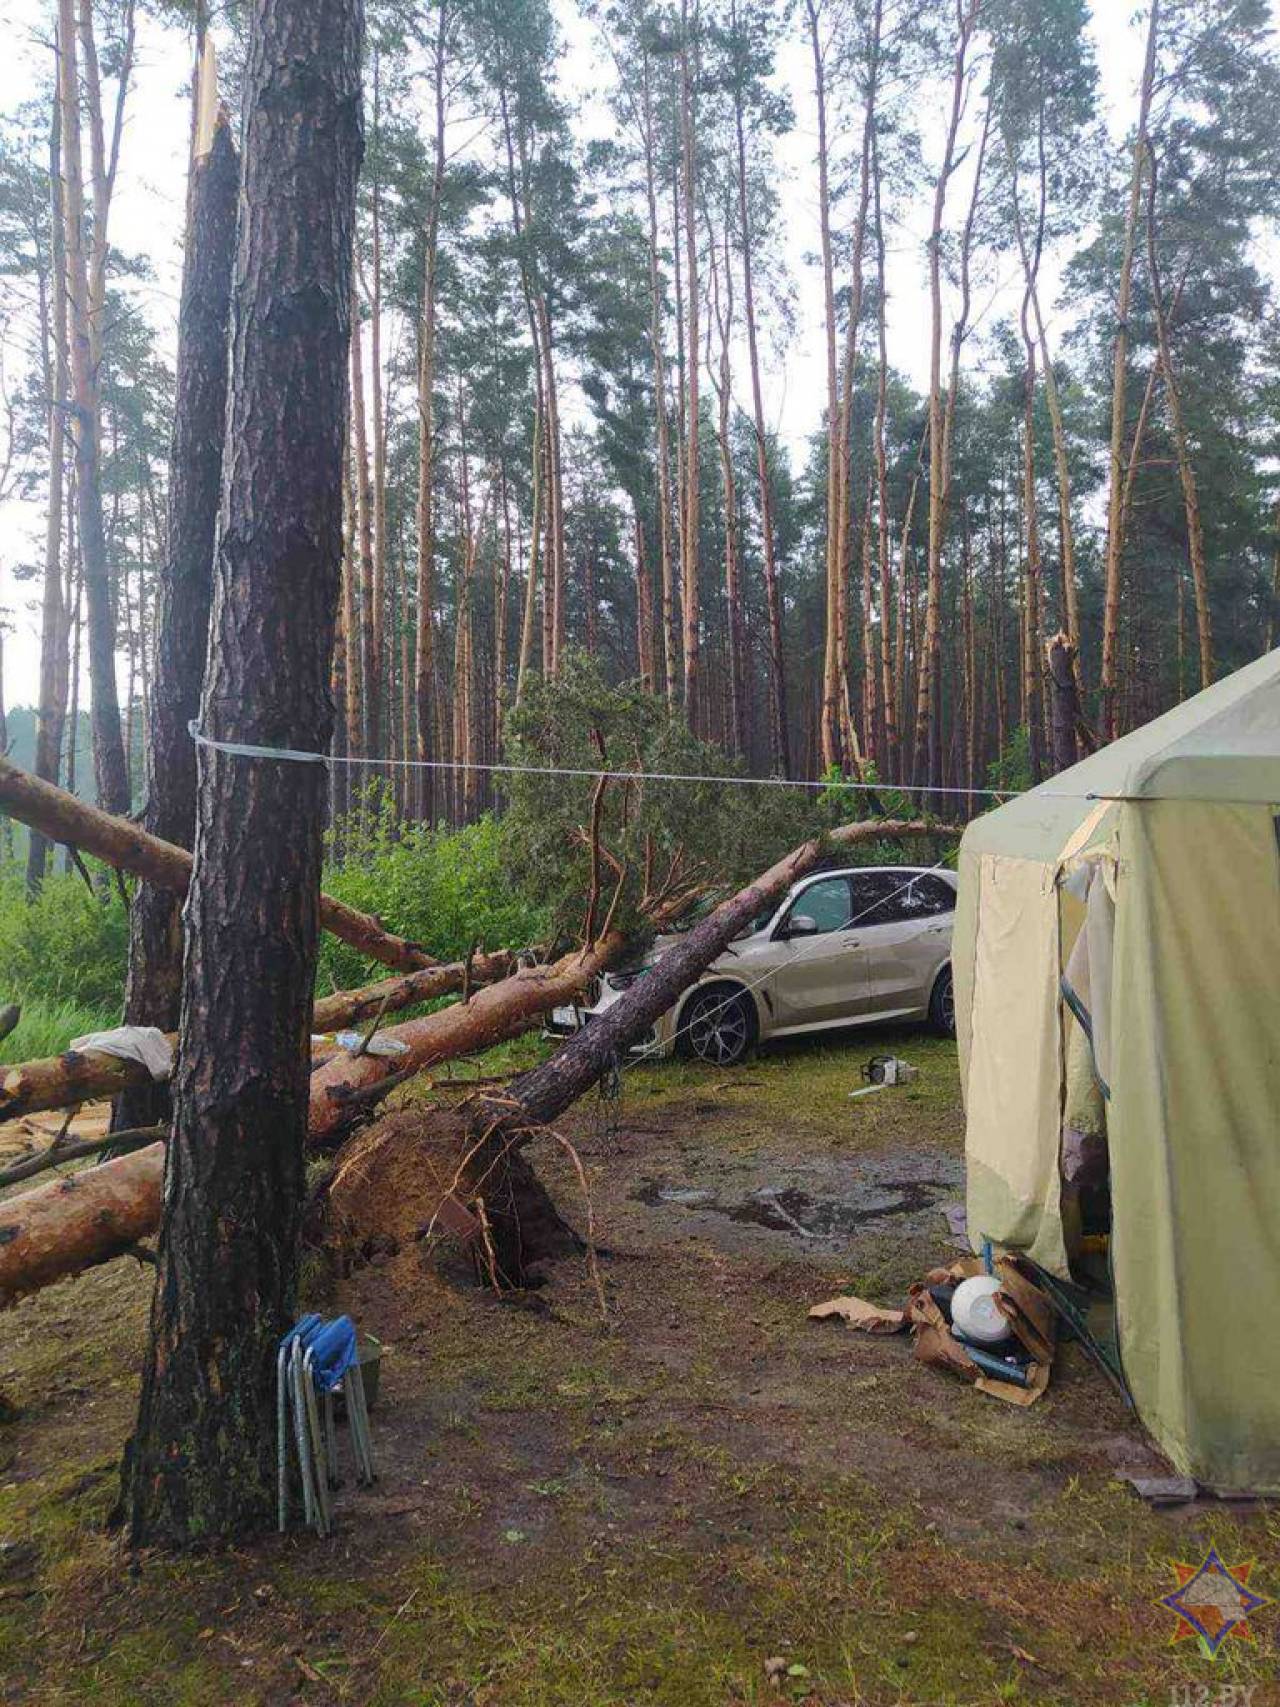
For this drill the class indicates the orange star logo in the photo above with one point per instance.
(1212, 1601)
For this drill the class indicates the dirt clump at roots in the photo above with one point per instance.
(419, 1181)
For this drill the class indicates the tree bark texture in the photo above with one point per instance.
(153, 992)
(125, 845)
(202, 1460)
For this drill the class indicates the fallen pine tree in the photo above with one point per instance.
(106, 1211)
(470, 1156)
(75, 1076)
(127, 847)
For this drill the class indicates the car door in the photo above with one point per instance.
(816, 976)
(903, 928)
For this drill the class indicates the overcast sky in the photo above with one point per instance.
(146, 218)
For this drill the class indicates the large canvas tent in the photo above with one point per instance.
(1180, 824)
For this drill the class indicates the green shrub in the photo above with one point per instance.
(65, 946)
(445, 889)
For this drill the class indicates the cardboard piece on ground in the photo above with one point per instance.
(1031, 1320)
(1161, 1490)
(1031, 1317)
(1010, 1392)
(933, 1340)
(868, 1318)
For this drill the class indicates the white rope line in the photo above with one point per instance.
(295, 755)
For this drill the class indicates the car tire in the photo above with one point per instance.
(942, 1004)
(718, 1026)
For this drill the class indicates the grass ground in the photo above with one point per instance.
(649, 1509)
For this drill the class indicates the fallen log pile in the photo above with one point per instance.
(58, 1081)
(76, 1222)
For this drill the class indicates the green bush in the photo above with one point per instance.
(445, 889)
(64, 947)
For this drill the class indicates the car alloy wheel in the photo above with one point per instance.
(942, 1004)
(719, 1028)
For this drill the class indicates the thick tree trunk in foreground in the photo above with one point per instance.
(202, 1460)
(153, 993)
(61, 1081)
(127, 847)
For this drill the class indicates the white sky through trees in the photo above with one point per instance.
(146, 220)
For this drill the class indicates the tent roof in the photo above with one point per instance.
(1222, 745)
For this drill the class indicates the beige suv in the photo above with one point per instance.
(844, 948)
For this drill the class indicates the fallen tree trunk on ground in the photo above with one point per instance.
(78, 1221)
(92, 1221)
(493, 1015)
(63, 1150)
(486, 1134)
(59, 1081)
(124, 845)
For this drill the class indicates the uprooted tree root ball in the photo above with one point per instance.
(421, 1178)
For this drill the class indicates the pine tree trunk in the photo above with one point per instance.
(110, 769)
(424, 651)
(1119, 383)
(153, 991)
(671, 669)
(779, 737)
(370, 629)
(202, 1460)
(1182, 448)
(54, 663)
(929, 667)
(690, 23)
(831, 657)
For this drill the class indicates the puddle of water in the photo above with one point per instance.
(789, 1210)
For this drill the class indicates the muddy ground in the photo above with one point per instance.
(705, 1499)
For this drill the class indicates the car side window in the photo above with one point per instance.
(826, 903)
(876, 896)
(933, 895)
(896, 898)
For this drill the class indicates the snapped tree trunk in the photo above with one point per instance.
(202, 1460)
(1065, 714)
(153, 992)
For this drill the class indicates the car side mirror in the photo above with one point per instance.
(800, 924)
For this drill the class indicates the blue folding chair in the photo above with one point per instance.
(315, 1361)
